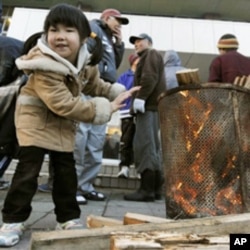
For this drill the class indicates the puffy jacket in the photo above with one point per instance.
(49, 105)
(112, 53)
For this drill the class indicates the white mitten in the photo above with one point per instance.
(139, 105)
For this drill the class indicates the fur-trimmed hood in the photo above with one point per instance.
(41, 57)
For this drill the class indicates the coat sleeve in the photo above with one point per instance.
(150, 73)
(51, 89)
(98, 87)
(119, 52)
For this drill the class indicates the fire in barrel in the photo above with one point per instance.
(205, 136)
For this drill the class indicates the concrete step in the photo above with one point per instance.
(107, 177)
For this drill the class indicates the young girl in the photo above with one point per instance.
(59, 69)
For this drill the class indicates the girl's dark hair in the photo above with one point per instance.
(71, 16)
(28, 44)
(31, 42)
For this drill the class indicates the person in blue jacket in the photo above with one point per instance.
(127, 120)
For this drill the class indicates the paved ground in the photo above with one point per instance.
(42, 217)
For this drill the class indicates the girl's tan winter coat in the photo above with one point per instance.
(50, 104)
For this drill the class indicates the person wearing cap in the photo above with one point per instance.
(230, 63)
(127, 120)
(90, 138)
(149, 75)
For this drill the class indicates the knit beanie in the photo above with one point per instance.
(228, 41)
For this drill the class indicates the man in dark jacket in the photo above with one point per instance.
(10, 49)
(230, 63)
(108, 28)
(150, 76)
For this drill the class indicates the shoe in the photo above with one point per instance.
(124, 172)
(146, 191)
(81, 199)
(4, 185)
(46, 188)
(140, 195)
(70, 225)
(94, 196)
(10, 234)
(159, 181)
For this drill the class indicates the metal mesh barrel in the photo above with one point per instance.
(205, 133)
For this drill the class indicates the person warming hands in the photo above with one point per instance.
(49, 106)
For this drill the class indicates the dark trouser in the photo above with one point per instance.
(17, 205)
(147, 143)
(127, 137)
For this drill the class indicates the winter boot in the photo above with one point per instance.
(146, 190)
(159, 180)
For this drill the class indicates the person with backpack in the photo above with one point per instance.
(48, 109)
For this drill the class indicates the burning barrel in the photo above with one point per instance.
(205, 133)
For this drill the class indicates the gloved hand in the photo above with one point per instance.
(139, 105)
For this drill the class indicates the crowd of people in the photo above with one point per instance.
(70, 93)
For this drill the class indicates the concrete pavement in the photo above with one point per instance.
(42, 217)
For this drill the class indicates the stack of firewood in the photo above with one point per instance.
(143, 232)
(242, 81)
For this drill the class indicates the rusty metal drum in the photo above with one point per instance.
(205, 134)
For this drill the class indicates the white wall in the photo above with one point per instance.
(183, 35)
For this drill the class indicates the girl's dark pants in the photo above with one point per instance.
(17, 205)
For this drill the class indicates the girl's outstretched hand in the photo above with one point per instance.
(119, 100)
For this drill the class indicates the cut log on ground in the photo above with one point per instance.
(94, 221)
(134, 218)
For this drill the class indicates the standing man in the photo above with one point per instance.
(230, 63)
(150, 76)
(90, 138)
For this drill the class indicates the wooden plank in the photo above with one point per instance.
(247, 83)
(127, 242)
(134, 218)
(236, 80)
(99, 238)
(162, 240)
(242, 81)
(94, 221)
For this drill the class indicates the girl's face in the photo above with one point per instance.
(65, 41)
